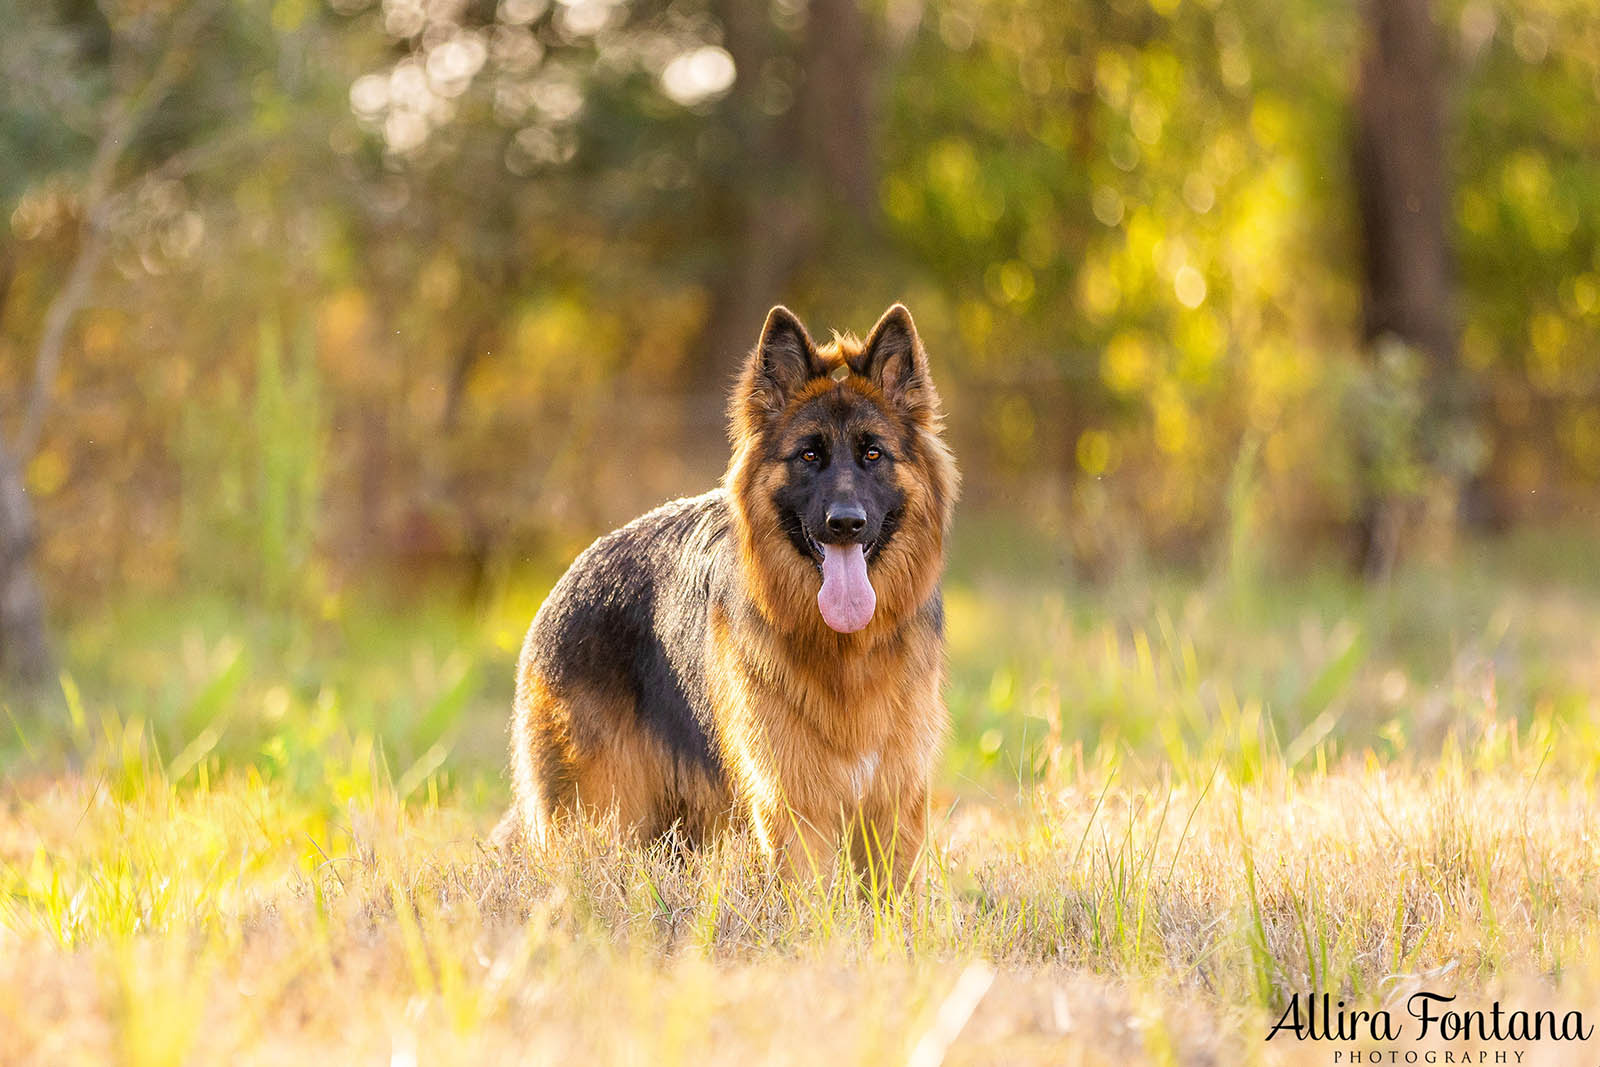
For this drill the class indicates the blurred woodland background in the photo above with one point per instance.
(297, 295)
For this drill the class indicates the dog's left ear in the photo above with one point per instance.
(893, 359)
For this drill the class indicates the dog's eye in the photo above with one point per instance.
(810, 455)
(872, 454)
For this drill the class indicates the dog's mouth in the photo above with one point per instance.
(794, 527)
(818, 552)
(813, 550)
(846, 598)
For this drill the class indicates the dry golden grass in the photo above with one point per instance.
(1101, 923)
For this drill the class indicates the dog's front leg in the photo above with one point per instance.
(803, 848)
(888, 837)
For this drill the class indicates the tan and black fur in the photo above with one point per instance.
(680, 675)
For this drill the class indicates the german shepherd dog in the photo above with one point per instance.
(770, 653)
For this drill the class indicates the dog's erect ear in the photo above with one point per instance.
(784, 360)
(893, 359)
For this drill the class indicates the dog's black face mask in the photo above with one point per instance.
(840, 489)
(839, 503)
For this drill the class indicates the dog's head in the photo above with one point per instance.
(840, 478)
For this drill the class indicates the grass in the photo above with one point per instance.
(1168, 804)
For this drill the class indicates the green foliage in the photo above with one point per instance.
(289, 451)
(1527, 201)
(45, 84)
(1126, 230)
(1383, 406)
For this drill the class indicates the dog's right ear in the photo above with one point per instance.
(783, 361)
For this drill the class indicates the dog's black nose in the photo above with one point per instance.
(846, 520)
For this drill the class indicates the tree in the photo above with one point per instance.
(795, 172)
(24, 648)
(1408, 282)
(92, 48)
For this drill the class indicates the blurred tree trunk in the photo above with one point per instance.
(24, 647)
(837, 107)
(1403, 196)
(25, 658)
(756, 218)
(788, 177)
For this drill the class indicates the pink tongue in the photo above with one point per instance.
(846, 600)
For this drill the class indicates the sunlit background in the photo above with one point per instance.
(315, 304)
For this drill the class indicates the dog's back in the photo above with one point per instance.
(612, 707)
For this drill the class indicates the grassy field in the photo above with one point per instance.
(1170, 802)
